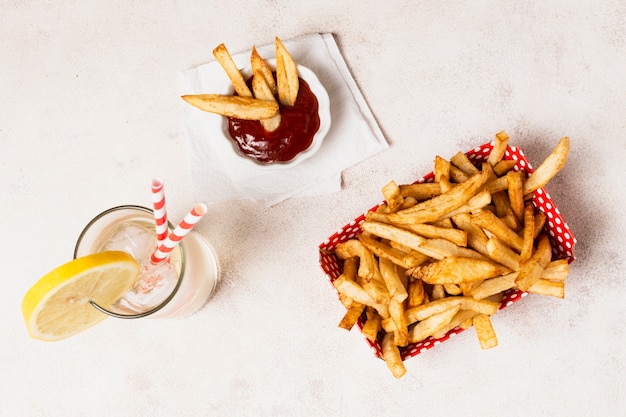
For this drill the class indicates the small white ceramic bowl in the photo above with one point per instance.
(324, 114)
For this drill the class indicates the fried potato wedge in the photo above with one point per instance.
(261, 68)
(245, 108)
(456, 270)
(287, 81)
(263, 91)
(549, 167)
(224, 58)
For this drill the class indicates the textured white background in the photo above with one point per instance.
(89, 113)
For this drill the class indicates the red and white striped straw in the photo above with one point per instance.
(176, 235)
(160, 213)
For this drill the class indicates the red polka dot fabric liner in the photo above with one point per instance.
(561, 238)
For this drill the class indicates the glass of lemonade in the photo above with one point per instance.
(178, 287)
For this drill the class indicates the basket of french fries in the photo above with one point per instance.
(445, 253)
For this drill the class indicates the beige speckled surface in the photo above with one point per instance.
(89, 113)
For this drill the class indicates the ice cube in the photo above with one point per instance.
(136, 239)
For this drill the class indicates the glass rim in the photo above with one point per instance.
(180, 275)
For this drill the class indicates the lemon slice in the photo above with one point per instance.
(57, 306)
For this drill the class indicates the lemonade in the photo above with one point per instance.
(175, 288)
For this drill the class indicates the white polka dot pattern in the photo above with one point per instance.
(560, 235)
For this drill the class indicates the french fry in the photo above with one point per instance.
(397, 256)
(493, 286)
(489, 221)
(528, 235)
(372, 325)
(437, 207)
(224, 58)
(459, 319)
(391, 277)
(484, 331)
(246, 108)
(548, 168)
(429, 231)
(401, 334)
(261, 68)
(391, 356)
(549, 288)
(442, 173)
(352, 316)
(504, 166)
(287, 81)
(462, 162)
(556, 270)
(516, 192)
(352, 248)
(528, 275)
(263, 91)
(420, 191)
(503, 254)
(455, 270)
(499, 148)
(394, 233)
(443, 248)
(391, 193)
(432, 324)
(416, 293)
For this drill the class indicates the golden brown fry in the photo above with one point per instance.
(462, 162)
(416, 293)
(455, 270)
(503, 254)
(287, 81)
(401, 334)
(372, 325)
(540, 221)
(493, 286)
(504, 166)
(429, 231)
(438, 292)
(245, 108)
(391, 193)
(543, 250)
(549, 288)
(391, 356)
(556, 270)
(353, 290)
(353, 247)
(397, 256)
(442, 173)
(549, 167)
(432, 324)
(352, 316)
(262, 91)
(442, 248)
(420, 191)
(489, 221)
(528, 235)
(499, 147)
(394, 233)
(484, 331)
(224, 58)
(476, 237)
(262, 69)
(528, 275)
(392, 280)
(516, 192)
(459, 319)
(437, 207)
(452, 289)
(501, 203)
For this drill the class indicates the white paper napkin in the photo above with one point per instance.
(218, 176)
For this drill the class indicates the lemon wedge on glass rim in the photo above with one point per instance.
(57, 306)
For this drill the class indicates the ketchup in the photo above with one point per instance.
(298, 125)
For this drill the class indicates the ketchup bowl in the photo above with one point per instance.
(311, 90)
